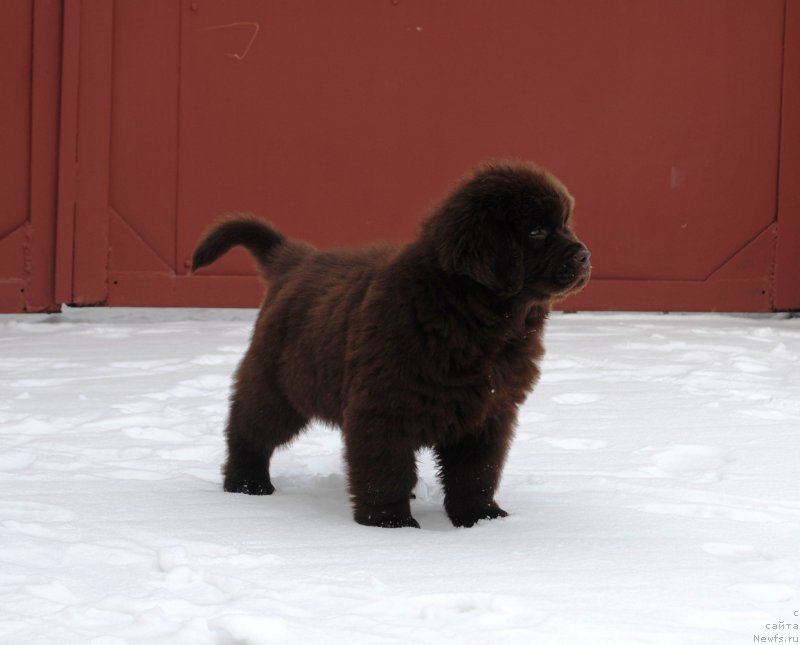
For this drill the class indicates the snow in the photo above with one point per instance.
(653, 491)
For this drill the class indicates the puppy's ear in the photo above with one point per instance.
(474, 235)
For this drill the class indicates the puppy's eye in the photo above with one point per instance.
(538, 233)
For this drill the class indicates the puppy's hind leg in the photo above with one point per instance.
(261, 419)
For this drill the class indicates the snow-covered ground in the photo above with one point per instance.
(654, 492)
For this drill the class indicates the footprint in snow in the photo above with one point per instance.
(16, 461)
(699, 463)
(243, 628)
(54, 591)
(750, 365)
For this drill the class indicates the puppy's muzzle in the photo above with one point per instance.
(575, 267)
(581, 258)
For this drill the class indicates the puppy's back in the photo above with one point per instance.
(304, 324)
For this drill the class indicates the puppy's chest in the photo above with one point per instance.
(496, 385)
(510, 374)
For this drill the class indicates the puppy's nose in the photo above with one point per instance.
(582, 256)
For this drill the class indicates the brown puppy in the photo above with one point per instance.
(433, 343)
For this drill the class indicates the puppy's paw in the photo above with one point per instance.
(468, 516)
(249, 486)
(389, 522)
(390, 516)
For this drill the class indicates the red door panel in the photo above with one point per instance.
(29, 51)
(787, 263)
(16, 44)
(144, 135)
(344, 123)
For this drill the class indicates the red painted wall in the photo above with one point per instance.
(673, 122)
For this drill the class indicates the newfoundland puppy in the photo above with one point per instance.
(434, 343)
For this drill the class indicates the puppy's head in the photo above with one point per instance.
(508, 228)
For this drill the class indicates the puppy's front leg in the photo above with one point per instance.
(469, 470)
(382, 473)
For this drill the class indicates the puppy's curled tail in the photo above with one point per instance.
(254, 234)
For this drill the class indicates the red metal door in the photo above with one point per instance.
(343, 122)
(787, 265)
(30, 38)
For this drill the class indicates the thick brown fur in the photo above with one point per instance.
(434, 343)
